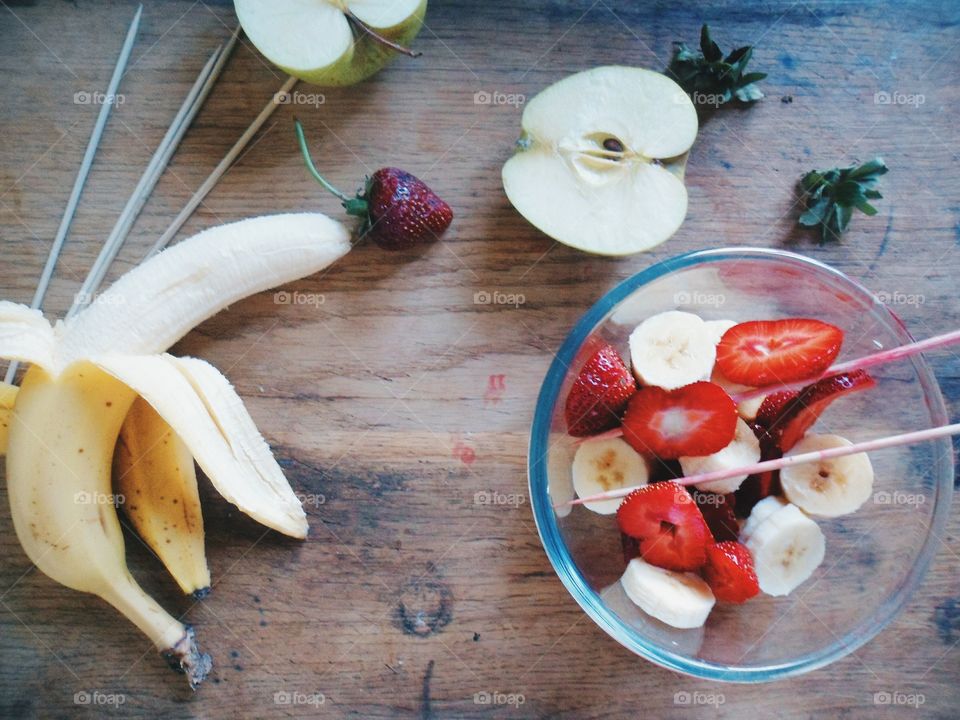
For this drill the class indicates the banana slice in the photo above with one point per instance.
(829, 488)
(716, 328)
(681, 600)
(606, 464)
(787, 547)
(761, 511)
(748, 408)
(744, 449)
(559, 473)
(672, 349)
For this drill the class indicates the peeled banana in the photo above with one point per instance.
(87, 373)
(8, 394)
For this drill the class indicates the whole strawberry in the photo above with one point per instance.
(398, 210)
(600, 393)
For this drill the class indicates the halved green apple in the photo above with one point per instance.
(331, 42)
(600, 163)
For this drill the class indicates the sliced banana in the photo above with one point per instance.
(607, 464)
(786, 547)
(747, 409)
(716, 328)
(761, 511)
(744, 449)
(828, 488)
(559, 474)
(671, 350)
(681, 600)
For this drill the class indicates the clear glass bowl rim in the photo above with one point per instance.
(590, 601)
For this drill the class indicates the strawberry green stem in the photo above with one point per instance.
(357, 22)
(354, 205)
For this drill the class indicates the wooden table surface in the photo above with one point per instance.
(399, 398)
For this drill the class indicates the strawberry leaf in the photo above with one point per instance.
(709, 73)
(830, 196)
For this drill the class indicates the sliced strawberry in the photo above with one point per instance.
(666, 521)
(763, 352)
(718, 512)
(772, 407)
(599, 394)
(755, 488)
(661, 470)
(799, 415)
(696, 419)
(729, 572)
(630, 546)
(758, 486)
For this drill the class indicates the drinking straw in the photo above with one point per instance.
(909, 438)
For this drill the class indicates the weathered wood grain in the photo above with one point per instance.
(398, 398)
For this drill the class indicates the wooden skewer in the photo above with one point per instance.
(218, 172)
(885, 356)
(158, 163)
(78, 184)
(137, 199)
(791, 460)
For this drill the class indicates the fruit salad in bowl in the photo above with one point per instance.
(704, 366)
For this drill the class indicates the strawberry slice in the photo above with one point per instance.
(759, 485)
(599, 394)
(763, 352)
(630, 546)
(729, 572)
(661, 469)
(772, 408)
(718, 512)
(666, 521)
(799, 415)
(696, 419)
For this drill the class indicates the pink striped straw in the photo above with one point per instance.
(789, 461)
(897, 353)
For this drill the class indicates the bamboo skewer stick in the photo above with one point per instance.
(88, 155)
(218, 172)
(909, 438)
(158, 163)
(138, 198)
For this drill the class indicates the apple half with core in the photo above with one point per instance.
(600, 163)
(331, 42)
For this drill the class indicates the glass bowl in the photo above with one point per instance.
(875, 558)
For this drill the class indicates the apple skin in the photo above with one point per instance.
(366, 56)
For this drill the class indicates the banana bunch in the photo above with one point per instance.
(103, 376)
